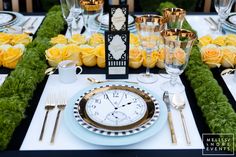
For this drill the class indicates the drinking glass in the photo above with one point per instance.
(223, 8)
(92, 10)
(77, 13)
(174, 17)
(66, 6)
(149, 28)
(177, 44)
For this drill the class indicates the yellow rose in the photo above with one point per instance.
(211, 55)
(5, 38)
(135, 58)
(205, 40)
(96, 39)
(53, 55)
(21, 39)
(74, 50)
(134, 40)
(161, 58)
(100, 53)
(77, 39)
(1, 53)
(60, 39)
(230, 40)
(229, 56)
(220, 40)
(179, 56)
(11, 57)
(150, 59)
(88, 55)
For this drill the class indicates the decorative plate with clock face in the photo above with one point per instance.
(116, 110)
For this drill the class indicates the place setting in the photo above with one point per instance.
(118, 110)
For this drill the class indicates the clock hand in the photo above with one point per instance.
(120, 100)
(125, 104)
(110, 101)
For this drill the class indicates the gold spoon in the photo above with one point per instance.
(93, 80)
(179, 104)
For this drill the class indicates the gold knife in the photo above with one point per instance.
(170, 121)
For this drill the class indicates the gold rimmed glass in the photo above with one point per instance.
(178, 45)
(92, 9)
(149, 28)
(174, 17)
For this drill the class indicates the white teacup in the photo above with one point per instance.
(67, 71)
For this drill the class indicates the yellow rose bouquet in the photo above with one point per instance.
(135, 58)
(220, 40)
(211, 55)
(11, 57)
(230, 40)
(75, 53)
(24, 39)
(96, 39)
(134, 40)
(161, 58)
(88, 55)
(60, 39)
(5, 38)
(150, 59)
(100, 54)
(205, 40)
(53, 55)
(179, 56)
(77, 39)
(228, 56)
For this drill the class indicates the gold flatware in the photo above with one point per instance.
(170, 121)
(179, 104)
(93, 80)
(50, 106)
(60, 107)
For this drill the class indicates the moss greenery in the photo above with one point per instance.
(19, 86)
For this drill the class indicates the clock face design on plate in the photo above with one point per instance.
(116, 107)
(116, 110)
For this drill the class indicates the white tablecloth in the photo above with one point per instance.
(65, 140)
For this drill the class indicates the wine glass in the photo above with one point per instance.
(66, 6)
(174, 17)
(178, 44)
(149, 28)
(223, 8)
(77, 13)
(92, 10)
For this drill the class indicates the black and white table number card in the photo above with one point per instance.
(117, 54)
(118, 17)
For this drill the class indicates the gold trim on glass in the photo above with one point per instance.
(91, 5)
(178, 38)
(174, 17)
(146, 22)
(147, 117)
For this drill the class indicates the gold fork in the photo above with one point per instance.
(49, 106)
(60, 107)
